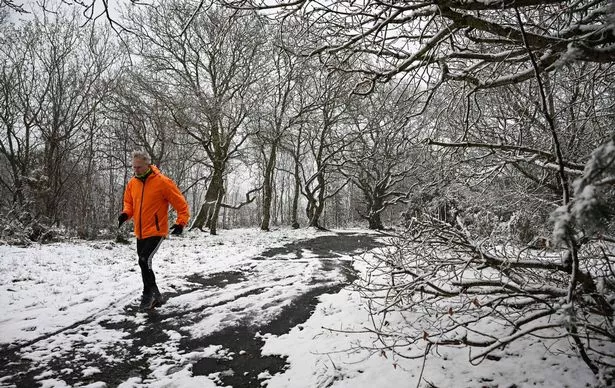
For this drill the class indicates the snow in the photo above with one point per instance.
(57, 298)
(327, 350)
(561, 218)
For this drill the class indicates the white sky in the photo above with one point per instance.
(73, 288)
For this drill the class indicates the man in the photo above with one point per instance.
(146, 200)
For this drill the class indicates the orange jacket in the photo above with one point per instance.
(148, 203)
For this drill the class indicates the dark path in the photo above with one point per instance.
(326, 247)
(126, 359)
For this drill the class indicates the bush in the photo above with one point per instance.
(21, 227)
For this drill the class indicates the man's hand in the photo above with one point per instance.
(177, 229)
(121, 219)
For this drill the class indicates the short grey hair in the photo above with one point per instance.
(143, 155)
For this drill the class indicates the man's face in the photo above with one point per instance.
(139, 166)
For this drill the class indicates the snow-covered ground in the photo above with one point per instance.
(69, 308)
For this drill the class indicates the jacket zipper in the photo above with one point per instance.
(141, 211)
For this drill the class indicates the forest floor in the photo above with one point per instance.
(244, 309)
(146, 332)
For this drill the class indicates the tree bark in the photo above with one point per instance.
(210, 209)
(268, 186)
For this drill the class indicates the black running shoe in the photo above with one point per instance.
(156, 301)
(146, 301)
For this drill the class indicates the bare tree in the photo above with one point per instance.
(474, 41)
(550, 65)
(282, 111)
(55, 78)
(518, 154)
(17, 140)
(293, 147)
(10, 5)
(211, 66)
(71, 86)
(383, 158)
(138, 108)
(325, 138)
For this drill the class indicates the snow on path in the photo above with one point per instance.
(70, 307)
(246, 309)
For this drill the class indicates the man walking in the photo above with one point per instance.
(146, 200)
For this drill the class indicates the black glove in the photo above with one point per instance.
(177, 229)
(121, 219)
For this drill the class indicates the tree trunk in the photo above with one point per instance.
(210, 209)
(316, 204)
(314, 211)
(268, 187)
(373, 218)
(375, 223)
(213, 222)
(294, 211)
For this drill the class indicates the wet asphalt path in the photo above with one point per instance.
(163, 333)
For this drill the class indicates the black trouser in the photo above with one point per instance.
(146, 248)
